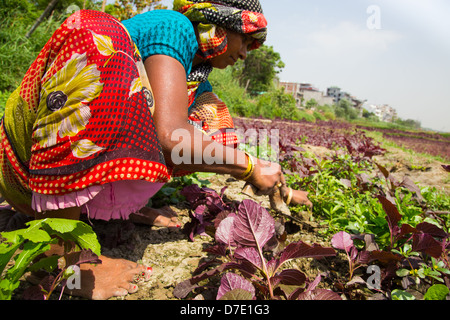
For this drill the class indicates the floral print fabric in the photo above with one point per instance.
(82, 115)
(241, 16)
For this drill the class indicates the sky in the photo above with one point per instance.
(394, 52)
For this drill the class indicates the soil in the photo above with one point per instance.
(174, 258)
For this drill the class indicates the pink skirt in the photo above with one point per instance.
(116, 200)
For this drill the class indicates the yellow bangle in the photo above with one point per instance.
(289, 198)
(250, 168)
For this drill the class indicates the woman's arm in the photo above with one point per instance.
(168, 82)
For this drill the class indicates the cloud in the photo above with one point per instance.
(428, 18)
(349, 38)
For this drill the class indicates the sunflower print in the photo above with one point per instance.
(64, 109)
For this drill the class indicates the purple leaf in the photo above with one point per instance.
(392, 214)
(219, 250)
(446, 167)
(253, 225)
(182, 289)
(246, 268)
(431, 229)
(33, 293)
(425, 243)
(383, 170)
(411, 186)
(250, 254)
(231, 281)
(314, 284)
(289, 277)
(383, 256)
(199, 212)
(79, 257)
(406, 229)
(364, 256)
(342, 241)
(222, 191)
(319, 294)
(192, 193)
(353, 253)
(218, 219)
(302, 250)
(225, 231)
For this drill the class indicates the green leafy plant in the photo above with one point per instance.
(170, 193)
(437, 292)
(19, 250)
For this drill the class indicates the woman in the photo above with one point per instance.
(95, 123)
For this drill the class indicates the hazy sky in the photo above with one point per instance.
(394, 52)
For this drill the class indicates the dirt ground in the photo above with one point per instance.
(170, 253)
(174, 258)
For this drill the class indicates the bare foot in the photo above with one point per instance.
(111, 278)
(163, 217)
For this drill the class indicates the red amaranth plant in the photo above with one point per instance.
(243, 238)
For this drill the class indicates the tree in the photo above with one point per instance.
(311, 104)
(126, 9)
(345, 110)
(259, 70)
(51, 5)
(64, 7)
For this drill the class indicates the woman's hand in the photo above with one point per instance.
(266, 176)
(297, 197)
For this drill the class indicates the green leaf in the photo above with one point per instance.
(402, 295)
(6, 288)
(37, 235)
(87, 238)
(167, 191)
(402, 272)
(30, 251)
(13, 237)
(75, 230)
(49, 264)
(62, 226)
(437, 292)
(6, 253)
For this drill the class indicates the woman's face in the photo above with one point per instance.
(237, 48)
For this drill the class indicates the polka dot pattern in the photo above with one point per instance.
(241, 16)
(122, 140)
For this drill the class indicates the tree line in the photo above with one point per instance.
(250, 88)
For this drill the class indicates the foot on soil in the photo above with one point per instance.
(163, 217)
(111, 278)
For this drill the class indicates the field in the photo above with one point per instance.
(378, 228)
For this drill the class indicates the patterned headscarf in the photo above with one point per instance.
(214, 17)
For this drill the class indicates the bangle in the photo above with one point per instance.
(250, 168)
(289, 198)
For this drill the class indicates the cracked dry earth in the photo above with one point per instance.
(174, 258)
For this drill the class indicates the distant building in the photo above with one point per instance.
(338, 95)
(384, 112)
(303, 92)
